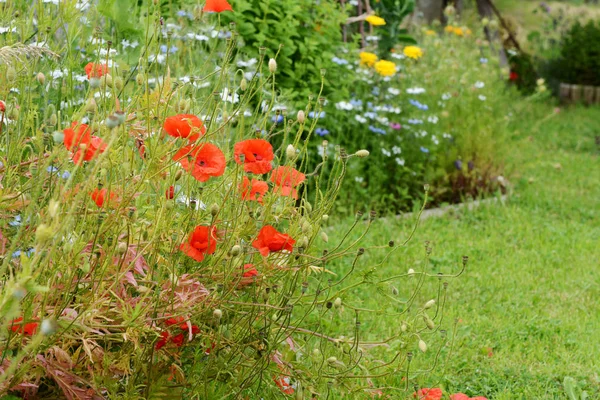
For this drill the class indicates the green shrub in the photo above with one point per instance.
(579, 60)
(304, 34)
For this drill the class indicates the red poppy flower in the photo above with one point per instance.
(283, 382)
(175, 321)
(513, 76)
(178, 339)
(162, 342)
(2, 106)
(253, 190)
(203, 240)
(185, 126)
(101, 195)
(76, 135)
(428, 394)
(28, 329)
(286, 179)
(461, 396)
(249, 271)
(79, 140)
(170, 193)
(217, 6)
(202, 161)
(258, 154)
(96, 70)
(269, 239)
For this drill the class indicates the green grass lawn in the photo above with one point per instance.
(527, 305)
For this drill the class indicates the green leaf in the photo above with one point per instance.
(570, 388)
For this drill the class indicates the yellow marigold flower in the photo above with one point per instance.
(413, 52)
(449, 28)
(375, 20)
(367, 58)
(385, 68)
(430, 32)
(458, 31)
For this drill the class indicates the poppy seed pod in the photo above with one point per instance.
(362, 153)
(111, 122)
(301, 116)
(58, 137)
(41, 78)
(121, 116)
(272, 65)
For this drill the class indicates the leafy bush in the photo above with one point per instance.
(153, 242)
(579, 60)
(303, 33)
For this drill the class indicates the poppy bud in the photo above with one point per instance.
(53, 120)
(41, 78)
(429, 304)
(325, 217)
(11, 74)
(122, 248)
(13, 113)
(303, 242)
(2, 106)
(422, 345)
(214, 209)
(493, 24)
(43, 233)
(324, 237)
(411, 271)
(121, 116)
(106, 80)
(58, 137)
(485, 22)
(428, 321)
(272, 65)
(301, 116)
(362, 153)
(332, 360)
(316, 352)
(337, 302)
(403, 327)
(178, 175)
(140, 79)
(395, 291)
(290, 152)
(217, 313)
(53, 208)
(94, 82)
(90, 105)
(111, 122)
(244, 84)
(306, 228)
(170, 193)
(118, 82)
(48, 327)
(236, 250)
